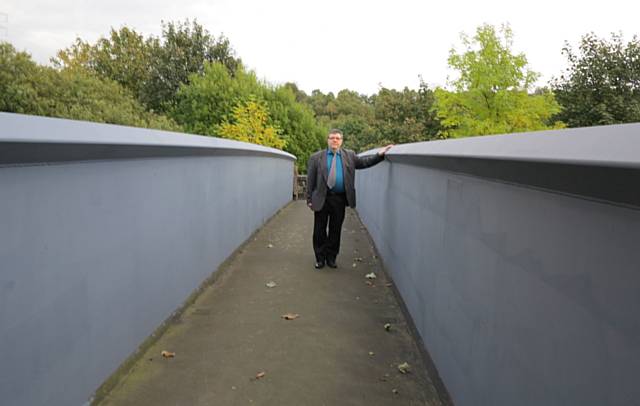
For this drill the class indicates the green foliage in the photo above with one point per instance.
(324, 106)
(250, 125)
(18, 82)
(602, 83)
(209, 100)
(390, 116)
(491, 93)
(351, 112)
(73, 93)
(152, 68)
(125, 57)
(185, 50)
(404, 116)
(299, 127)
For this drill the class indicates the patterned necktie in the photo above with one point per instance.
(331, 180)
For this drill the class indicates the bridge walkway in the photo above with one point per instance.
(232, 346)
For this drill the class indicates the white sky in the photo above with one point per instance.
(331, 45)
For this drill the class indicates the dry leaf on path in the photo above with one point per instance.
(270, 246)
(260, 375)
(387, 327)
(404, 368)
(370, 275)
(290, 316)
(271, 284)
(168, 354)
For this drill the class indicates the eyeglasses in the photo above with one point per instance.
(335, 138)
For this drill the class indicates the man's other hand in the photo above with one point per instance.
(310, 205)
(384, 150)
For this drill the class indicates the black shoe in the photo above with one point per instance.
(319, 264)
(331, 263)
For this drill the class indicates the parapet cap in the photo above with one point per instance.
(612, 145)
(26, 139)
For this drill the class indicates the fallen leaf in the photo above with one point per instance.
(270, 246)
(354, 265)
(358, 259)
(395, 391)
(168, 354)
(371, 353)
(370, 275)
(260, 375)
(387, 327)
(271, 284)
(404, 368)
(388, 285)
(290, 316)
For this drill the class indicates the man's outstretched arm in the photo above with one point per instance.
(367, 161)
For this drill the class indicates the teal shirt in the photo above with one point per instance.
(339, 186)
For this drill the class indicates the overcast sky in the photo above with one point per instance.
(330, 44)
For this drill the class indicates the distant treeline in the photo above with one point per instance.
(187, 80)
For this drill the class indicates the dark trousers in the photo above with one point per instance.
(327, 246)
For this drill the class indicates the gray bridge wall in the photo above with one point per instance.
(518, 257)
(104, 232)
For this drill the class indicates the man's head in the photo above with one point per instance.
(334, 139)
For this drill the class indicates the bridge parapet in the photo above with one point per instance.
(104, 231)
(517, 258)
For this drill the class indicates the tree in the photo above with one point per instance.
(349, 111)
(353, 113)
(124, 57)
(152, 68)
(250, 125)
(300, 95)
(18, 82)
(390, 116)
(210, 100)
(185, 50)
(491, 94)
(72, 92)
(299, 127)
(404, 116)
(602, 83)
(323, 105)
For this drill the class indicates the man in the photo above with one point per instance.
(330, 187)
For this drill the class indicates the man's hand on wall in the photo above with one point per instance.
(384, 150)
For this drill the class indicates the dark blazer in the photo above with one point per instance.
(317, 173)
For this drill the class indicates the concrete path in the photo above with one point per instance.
(337, 352)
